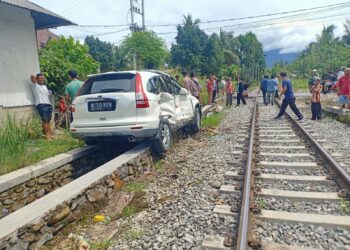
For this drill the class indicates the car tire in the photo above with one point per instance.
(91, 142)
(164, 138)
(197, 120)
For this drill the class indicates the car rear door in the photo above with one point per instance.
(106, 100)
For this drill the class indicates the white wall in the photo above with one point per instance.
(18, 56)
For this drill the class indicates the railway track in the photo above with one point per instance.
(294, 194)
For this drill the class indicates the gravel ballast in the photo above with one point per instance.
(188, 189)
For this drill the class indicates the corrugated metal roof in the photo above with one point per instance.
(43, 18)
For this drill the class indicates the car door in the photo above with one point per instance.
(174, 89)
(183, 100)
(165, 99)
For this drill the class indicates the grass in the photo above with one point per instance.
(159, 165)
(134, 234)
(129, 211)
(22, 144)
(300, 84)
(213, 120)
(344, 205)
(102, 245)
(135, 187)
(261, 203)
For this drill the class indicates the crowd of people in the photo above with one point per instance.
(270, 89)
(216, 87)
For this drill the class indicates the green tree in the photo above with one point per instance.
(120, 61)
(346, 37)
(150, 50)
(61, 55)
(103, 52)
(213, 55)
(190, 42)
(252, 57)
(326, 55)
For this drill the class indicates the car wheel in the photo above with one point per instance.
(164, 139)
(91, 142)
(196, 124)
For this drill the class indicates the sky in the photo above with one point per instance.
(289, 35)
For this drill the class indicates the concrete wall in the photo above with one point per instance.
(33, 225)
(18, 56)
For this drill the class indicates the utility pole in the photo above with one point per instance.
(143, 15)
(134, 9)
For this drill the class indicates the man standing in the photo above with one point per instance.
(343, 87)
(271, 90)
(263, 87)
(186, 82)
(289, 99)
(240, 91)
(42, 103)
(195, 86)
(73, 87)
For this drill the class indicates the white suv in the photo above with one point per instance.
(133, 105)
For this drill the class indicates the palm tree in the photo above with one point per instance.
(346, 37)
(189, 22)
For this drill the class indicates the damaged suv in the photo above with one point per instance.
(133, 106)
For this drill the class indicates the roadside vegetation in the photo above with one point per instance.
(212, 120)
(22, 144)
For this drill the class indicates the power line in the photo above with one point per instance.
(75, 8)
(103, 34)
(239, 18)
(265, 22)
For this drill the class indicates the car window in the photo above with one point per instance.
(156, 85)
(152, 85)
(110, 83)
(174, 88)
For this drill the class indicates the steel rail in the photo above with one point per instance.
(344, 176)
(242, 239)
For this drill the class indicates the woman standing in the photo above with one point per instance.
(229, 91)
(210, 89)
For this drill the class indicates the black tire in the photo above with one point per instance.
(164, 138)
(197, 121)
(91, 142)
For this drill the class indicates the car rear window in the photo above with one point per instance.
(110, 83)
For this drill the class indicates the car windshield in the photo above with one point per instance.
(109, 83)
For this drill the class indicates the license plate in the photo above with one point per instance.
(98, 106)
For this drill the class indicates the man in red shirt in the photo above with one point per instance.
(343, 86)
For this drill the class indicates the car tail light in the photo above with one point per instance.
(72, 108)
(140, 96)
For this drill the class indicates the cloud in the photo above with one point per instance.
(292, 37)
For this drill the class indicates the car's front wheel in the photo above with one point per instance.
(196, 124)
(164, 139)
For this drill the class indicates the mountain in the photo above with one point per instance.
(274, 56)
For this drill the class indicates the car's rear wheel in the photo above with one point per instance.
(196, 124)
(164, 139)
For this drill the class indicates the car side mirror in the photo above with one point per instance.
(183, 91)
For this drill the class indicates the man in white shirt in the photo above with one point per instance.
(42, 103)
